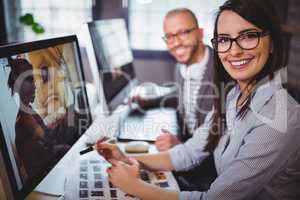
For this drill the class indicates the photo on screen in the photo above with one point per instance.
(44, 107)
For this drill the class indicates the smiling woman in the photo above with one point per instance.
(240, 63)
(247, 55)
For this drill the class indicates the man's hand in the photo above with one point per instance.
(166, 141)
(140, 101)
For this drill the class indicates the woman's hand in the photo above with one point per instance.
(110, 152)
(125, 176)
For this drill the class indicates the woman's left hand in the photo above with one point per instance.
(125, 176)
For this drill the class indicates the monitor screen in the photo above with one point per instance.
(95, 91)
(114, 58)
(44, 108)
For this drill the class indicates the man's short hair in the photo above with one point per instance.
(183, 10)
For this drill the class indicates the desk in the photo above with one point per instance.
(73, 155)
(100, 126)
(72, 191)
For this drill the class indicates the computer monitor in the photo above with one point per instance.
(44, 109)
(114, 58)
(94, 85)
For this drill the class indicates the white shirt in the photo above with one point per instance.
(192, 76)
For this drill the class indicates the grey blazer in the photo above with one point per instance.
(258, 157)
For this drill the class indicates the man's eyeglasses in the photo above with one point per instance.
(246, 41)
(182, 35)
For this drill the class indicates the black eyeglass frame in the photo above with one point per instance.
(260, 34)
(187, 31)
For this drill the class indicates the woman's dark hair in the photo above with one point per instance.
(262, 14)
(18, 66)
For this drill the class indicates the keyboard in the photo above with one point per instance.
(147, 126)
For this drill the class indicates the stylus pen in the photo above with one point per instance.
(91, 148)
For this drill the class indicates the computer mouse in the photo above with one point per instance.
(137, 147)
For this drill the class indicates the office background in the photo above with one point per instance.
(152, 62)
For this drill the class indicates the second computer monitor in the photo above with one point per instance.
(114, 58)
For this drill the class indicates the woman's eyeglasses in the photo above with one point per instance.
(246, 41)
